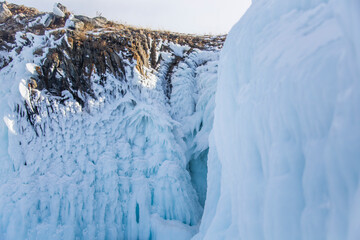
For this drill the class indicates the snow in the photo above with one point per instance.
(57, 11)
(148, 81)
(31, 68)
(178, 49)
(69, 23)
(285, 146)
(10, 124)
(23, 89)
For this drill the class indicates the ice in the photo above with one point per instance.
(121, 166)
(172, 229)
(192, 101)
(284, 159)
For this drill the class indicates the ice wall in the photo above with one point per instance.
(284, 159)
(116, 167)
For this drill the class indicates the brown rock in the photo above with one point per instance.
(78, 25)
(38, 70)
(32, 83)
(99, 22)
(71, 42)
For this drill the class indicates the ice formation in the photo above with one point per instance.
(128, 162)
(284, 158)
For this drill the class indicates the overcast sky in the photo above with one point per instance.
(187, 16)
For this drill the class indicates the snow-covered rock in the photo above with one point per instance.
(284, 161)
(57, 10)
(32, 68)
(48, 19)
(99, 22)
(4, 12)
(74, 23)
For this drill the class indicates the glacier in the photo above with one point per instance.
(284, 160)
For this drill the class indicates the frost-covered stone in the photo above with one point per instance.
(77, 24)
(49, 19)
(74, 23)
(59, 10)
(99, 21)
(4, 12)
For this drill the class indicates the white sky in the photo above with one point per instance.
(187, 16)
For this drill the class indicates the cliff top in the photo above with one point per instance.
(29, 19)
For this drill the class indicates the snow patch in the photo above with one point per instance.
(10, 124)
(57, 11)
(178, 49)
(31, 67)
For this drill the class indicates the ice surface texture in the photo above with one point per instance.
(114, 168)
(286, 162)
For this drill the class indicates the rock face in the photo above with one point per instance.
(4, 12)
(106, 126)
